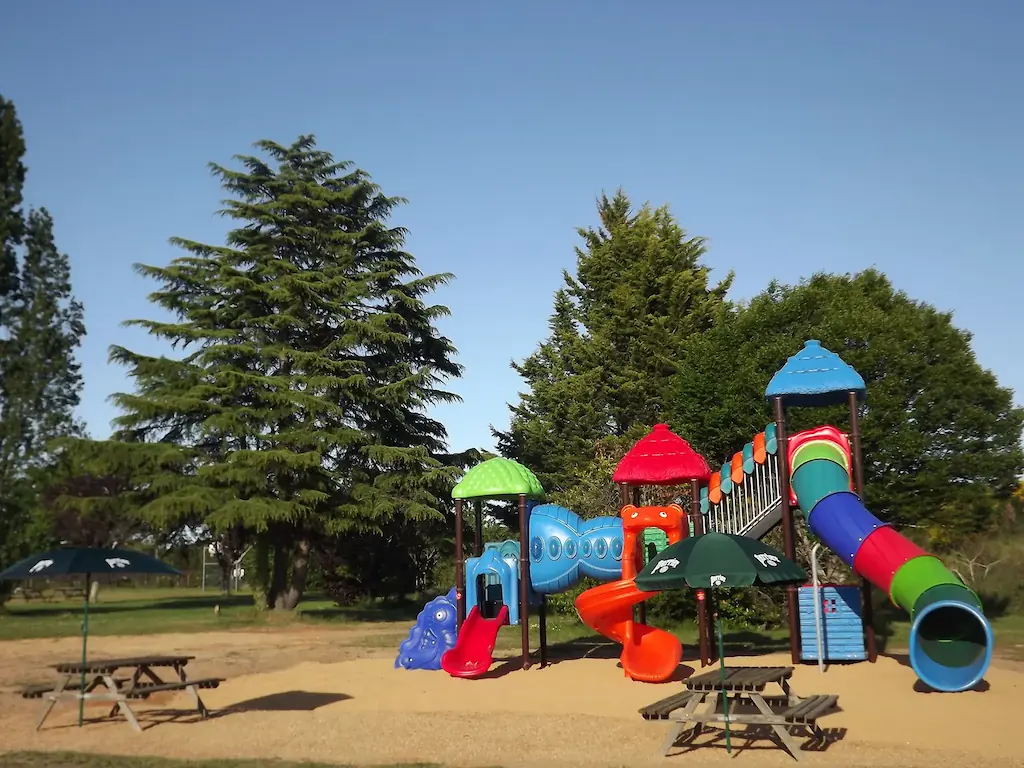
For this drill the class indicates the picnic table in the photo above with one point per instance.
(138, 680)
(748, 705)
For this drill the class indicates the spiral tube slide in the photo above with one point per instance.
(950, 638)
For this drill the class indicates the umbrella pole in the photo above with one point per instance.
(85, 640)
(721, 667)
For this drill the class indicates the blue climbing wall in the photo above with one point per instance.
(842, 624)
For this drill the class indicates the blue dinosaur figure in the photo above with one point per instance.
(431, 635)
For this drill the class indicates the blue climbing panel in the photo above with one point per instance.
(842, 624)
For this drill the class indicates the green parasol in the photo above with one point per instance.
(718, 560)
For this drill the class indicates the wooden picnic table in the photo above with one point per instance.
(103, 684)
(744, 688)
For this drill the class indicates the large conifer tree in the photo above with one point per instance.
(309, 357)
(618, 331)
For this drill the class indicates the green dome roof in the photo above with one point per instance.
(498, 478)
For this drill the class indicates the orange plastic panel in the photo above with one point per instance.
(736, 471)
(714, 488)
(760, 452)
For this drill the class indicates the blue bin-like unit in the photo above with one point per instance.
(842, 623)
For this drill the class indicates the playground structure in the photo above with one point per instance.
(818, 472)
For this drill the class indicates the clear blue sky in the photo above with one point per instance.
(797, 136)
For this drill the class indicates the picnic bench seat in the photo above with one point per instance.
(142, 690)
(660, 710)
(808, 710)
(39, 690)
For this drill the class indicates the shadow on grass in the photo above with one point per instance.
(364, 613)
(100, 608)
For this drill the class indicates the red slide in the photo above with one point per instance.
(648, 654)
(472, 654)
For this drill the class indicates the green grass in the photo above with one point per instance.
(85, 760)
(128, 611)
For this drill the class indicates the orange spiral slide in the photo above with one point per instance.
(648, 654)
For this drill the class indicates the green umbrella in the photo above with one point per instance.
(88, 562)
(718, 560)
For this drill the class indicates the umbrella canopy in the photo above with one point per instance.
(718, 560)
(85, 560)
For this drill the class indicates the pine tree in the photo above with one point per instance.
(41, 328)
(308, 360)
(618, 331)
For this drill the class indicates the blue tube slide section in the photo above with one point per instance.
(950, 638)
(564, 548)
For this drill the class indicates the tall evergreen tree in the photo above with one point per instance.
(41, 327)
(618, 331)
(309, 359)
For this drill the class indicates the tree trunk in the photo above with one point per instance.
(290, 598)
(225, 565)
(261, 572)
(279, 577)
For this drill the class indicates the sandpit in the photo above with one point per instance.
(575, 712)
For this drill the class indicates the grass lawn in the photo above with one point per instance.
(129, 611)
(84, 760)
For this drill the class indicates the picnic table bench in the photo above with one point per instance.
(744, 688)
(140, 684)
(29, 594)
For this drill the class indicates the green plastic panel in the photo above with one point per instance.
(818, 449)
(498, 478)
(917, 576)
(942, 592)
(771, 441)
(814, 480)
(656, 538)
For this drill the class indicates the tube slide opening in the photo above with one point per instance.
(950, 645)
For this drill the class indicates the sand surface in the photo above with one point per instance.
(334, 696)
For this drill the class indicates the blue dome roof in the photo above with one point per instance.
(815, 376)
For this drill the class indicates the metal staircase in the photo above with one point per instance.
(744, 496)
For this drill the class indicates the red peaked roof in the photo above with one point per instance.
(661, 458)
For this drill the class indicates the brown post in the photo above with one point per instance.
(524, 578)
(460, 570)
(640, 612)
(788, 529)
(543, 631)
(478, 528)
(858, 479)
(703, 641)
